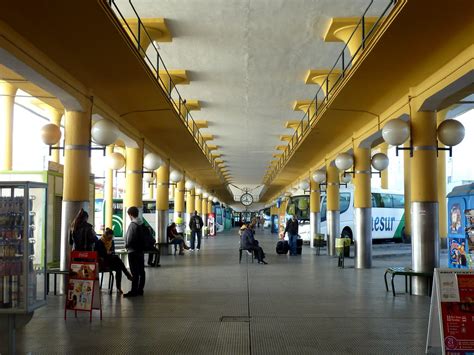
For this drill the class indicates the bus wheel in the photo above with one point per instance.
(347, 233)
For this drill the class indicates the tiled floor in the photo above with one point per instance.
(200, 303)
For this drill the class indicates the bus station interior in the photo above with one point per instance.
(357, 117)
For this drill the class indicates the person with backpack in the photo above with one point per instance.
(196, 224)
(81, 233)
(292, 230)
(135, 244)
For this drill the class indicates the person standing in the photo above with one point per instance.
(196, 224)
(81, 233)
(292, 230)
(135, 244)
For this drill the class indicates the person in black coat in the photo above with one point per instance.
(105, 247)
(248, 242)
(81, 233)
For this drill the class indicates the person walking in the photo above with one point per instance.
(292, 230)
(135, 244)
(196, 224)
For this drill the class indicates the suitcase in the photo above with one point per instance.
(282, 247)
(299, 246)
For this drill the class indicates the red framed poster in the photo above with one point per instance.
(451, 324)
(83, 291)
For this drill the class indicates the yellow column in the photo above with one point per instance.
(162, 201)
(333, 229)
(198, 204)
(209, 206)
(190, 202)
(133, 179)
(109, 192)
(407, 190)
(151, 192)
(424, 198)
(384, 173)
(7, 101)
(362, 208)
(314, 209)
(443, 216)
(204, 206)
(179, 197)
(76, 177)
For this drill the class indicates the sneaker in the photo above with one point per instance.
(191, 249)
(197, 249)
(263, 262)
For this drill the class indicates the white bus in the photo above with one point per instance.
(388, 218)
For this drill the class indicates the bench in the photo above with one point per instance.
(55, 272)
(249, 252)
(408, 273)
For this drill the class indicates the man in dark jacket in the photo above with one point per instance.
(196, 224)
(248, 242)
(292, 230)
(135, 245)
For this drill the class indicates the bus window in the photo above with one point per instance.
(376, 200)
(374, 203)
(398, 201)
(344, 201)
(118, 208)
(149, 206)
(386, 200)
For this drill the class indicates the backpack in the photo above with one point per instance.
(146, 234)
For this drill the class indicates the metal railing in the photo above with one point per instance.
(164, 78)
(339, 70)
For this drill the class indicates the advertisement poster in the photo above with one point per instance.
(455, 225)
(211, 224)
(458, 255)
(79, 294)
(457, 311)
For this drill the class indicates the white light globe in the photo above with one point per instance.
(346, 178)
(198, 190)
(104, 132)
(303, 185)
(50, 134)
(205, 195)
(215, 200)
(189, 185)
(451, 132)
(319, 176)
(210, 197)
(344, 161)
(396, 132)
(380, 161)
(148, 177)
(175, 176)
(115, 161)
(152, 161)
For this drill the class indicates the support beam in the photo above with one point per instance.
(319, 76)
(333, 209)
(162, 203)
(156, 28)
(315, 210)
(7, 101)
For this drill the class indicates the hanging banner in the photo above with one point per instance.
(451, 322)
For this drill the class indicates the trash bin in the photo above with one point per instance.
(319, 240)
(343, 247)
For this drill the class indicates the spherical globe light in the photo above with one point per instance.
(304, 185)
(380, 161)
(396, 132)
(319, 176)
(451, 132)
(115, 161)
(104, 132)
(175, 176)
(148, 177)
(152, 161)
(198, 190)
(215, 199)
(50, 134)
(344, 161)
(346, 178)
(205, 195)
(189, 185)
(210, 197)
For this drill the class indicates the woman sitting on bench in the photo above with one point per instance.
(108, 260)
(175, 238)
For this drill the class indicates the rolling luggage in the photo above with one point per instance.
(282, 247)
(299, 246)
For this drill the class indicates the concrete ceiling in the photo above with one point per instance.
(247, 61)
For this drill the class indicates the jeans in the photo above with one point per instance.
(292, 241)
(136, 261)
(195, 234)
